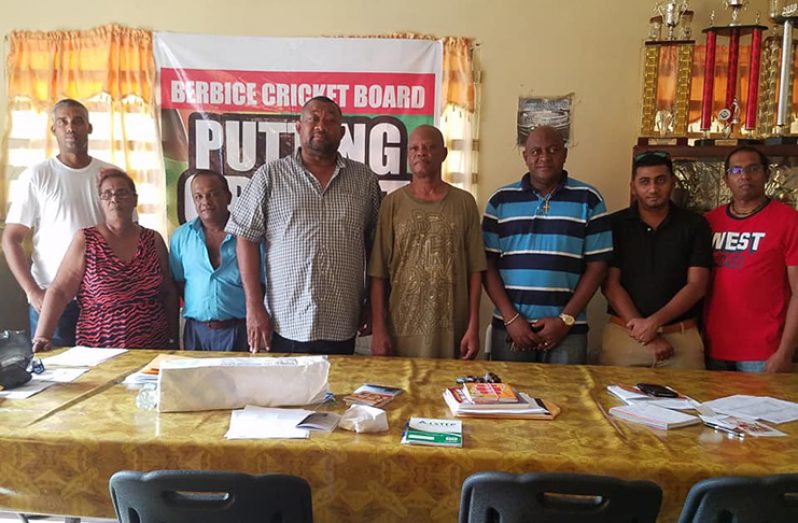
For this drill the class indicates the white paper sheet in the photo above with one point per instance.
(61, 374)
(26, 391)
(82, 357)
(266, 423)
(765, 408)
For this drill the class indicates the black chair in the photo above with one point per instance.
(769, 499)
(193, 496)
(493, 497)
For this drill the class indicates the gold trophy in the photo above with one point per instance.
(667, 74)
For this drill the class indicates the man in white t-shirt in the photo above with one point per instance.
(54, 199)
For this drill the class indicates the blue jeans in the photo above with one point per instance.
(198, 336)
(64, 335)
(741, 366)
(280, 344)
(572, 349)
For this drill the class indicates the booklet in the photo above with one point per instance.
(654, 416)
(320, 421)
(372, 395)
(435, 432)
(490, 393)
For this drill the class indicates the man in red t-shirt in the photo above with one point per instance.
(751, 309)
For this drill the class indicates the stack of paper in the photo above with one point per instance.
(653, 416)
(772, 410)
(526, 406)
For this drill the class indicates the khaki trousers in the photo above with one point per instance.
(618, 348)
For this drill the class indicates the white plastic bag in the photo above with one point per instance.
(362, 418)
(231, 383)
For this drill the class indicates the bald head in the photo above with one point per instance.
(426, 151)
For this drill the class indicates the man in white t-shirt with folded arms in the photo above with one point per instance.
(54, 199)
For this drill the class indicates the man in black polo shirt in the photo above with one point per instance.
(658, 274)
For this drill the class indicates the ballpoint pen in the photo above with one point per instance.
(730, 431)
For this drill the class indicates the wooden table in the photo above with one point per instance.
(58, 449)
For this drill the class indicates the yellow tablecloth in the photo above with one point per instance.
(58, 449)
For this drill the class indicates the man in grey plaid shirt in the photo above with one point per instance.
(317, 212)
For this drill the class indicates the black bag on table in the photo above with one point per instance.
(15, 355)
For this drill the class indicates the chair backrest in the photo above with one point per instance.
(194, 496)
(769, 499)
(493, 497)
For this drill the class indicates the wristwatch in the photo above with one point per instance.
(567, 319)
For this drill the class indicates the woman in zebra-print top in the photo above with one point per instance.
(119, 273)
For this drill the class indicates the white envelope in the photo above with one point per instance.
(232, 383)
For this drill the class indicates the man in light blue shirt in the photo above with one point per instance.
(202, 258)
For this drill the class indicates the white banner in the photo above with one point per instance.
(229, 103)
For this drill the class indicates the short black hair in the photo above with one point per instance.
(213, 174)
(68, 102)
(763, 159)
(323, 99)
(652, 159)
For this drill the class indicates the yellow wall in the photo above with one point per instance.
(527, 47)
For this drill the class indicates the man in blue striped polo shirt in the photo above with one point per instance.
(547, 240)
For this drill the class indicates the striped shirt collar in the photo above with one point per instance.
(526, 184)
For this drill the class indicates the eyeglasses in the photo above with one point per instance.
(121, 194)
(755, 168)
(659, 154)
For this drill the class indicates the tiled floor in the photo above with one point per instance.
(10, 517)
